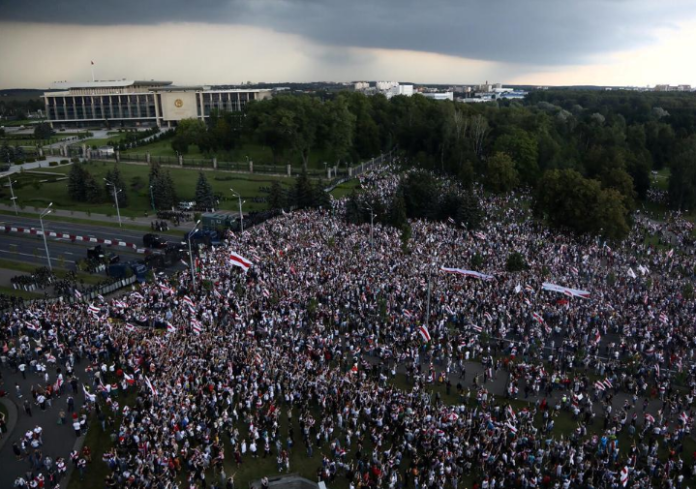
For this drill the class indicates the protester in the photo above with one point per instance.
(300, 318)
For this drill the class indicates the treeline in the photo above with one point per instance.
(83, 187)
(606, 142)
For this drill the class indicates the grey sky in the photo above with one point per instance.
(532, 32)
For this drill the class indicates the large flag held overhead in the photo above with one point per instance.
(566, 290)
(467, 273)
(423, 330)
(239, 261)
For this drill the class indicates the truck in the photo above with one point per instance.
(203, 236)
(151, 240)
(98, 255)
(123, 270)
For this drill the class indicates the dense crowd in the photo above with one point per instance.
(315, 333)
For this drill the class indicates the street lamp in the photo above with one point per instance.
(152, 199)
(43, 233)
(372, 224)
(241, 216)
(13, 198)
(193, 273)
(430, 275)
(116, 192)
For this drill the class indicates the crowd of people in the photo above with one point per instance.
(304, 338)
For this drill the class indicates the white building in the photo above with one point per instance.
(405, 90)
(438, 95)
(361, 85)
(386, 85)
(139, 103)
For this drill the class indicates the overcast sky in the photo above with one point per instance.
(546, 42)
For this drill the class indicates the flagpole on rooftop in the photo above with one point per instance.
(92, 66)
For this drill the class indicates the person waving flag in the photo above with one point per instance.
(239, 261)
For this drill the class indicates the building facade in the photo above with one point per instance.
(139, 103)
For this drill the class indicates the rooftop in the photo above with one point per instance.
(66, 85)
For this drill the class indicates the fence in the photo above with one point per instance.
(333, 173)
(87, 295)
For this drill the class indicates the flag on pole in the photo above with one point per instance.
(684, 418)
(354, 369)
(78, 295)
(631, 273)
(196, 326)
(239, 261)
(518, 289)
(663, 318)
(649, 419)
(129, 378)
(574, 270)
(171, 328)
(189, 302)
(600, 386)
(94, 309)
(488, 316)
(670, 253)
(423, 330)
(130, 328)
(537, 317)
(152, 387)
(480, 235)
(450, 220)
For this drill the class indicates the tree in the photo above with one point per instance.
(523, 150)
(470, 213)
(276, 197)
(501, 175)
(188, 132)
(93, 192)
(340, 123)
(396, 215)
(76, 182)
(304, 193)
(43, 130)
(163, 190)
(569, 201)
(515, 262)
(621, 181)
(114, 179)
(205, 196)
(682, 179)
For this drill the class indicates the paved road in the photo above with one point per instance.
(97, 231)
(59, 440)
(30, 249)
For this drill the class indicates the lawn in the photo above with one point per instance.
(260, 155)
(345, 189)
(60, 273)
(23, 294)
(103, 141)
(136, 178)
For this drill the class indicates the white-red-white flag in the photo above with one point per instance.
(238, 260)
(423, 330)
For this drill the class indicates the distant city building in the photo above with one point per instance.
(405, 90)
(139, 103)
(361, 85)
(386, 85)
(490, 92)
(438, 95)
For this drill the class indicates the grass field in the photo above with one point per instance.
(60, 273)
(250, 186)
(23, 294)
(260, 155)
(345, 189)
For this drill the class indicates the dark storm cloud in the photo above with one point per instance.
(524, 31)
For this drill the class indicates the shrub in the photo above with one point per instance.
(52, 163)
(515, 262)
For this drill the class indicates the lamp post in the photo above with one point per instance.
(372, 224)
(116, 192)
(13, 198)
(43, 233)
(241, 216)
(152, 199)
(427, 310)
(193, 272)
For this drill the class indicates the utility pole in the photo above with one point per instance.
(193, 272)
(116, 192)
(43, 233)
(13, 198)
(372, 225)
(152, 199)
(241, 216)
